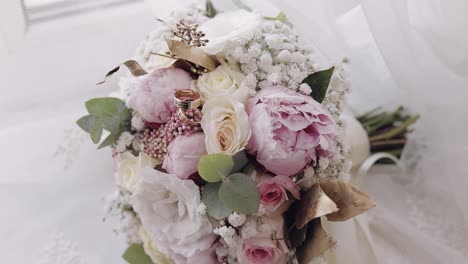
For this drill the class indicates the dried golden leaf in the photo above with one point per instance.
(192, 54)
(317, 241)
(350, 201)
(133, 66)
(314, 203)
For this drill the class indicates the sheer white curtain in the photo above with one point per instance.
(410, 52)
(52, 181)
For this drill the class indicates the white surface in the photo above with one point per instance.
(402, 52)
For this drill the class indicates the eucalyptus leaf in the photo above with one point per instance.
(96, 133)
(105, 107)
(210, 198)
(112, 112)
(135, 254)
(248, 169)
(319, 82)
(240, 160)
(215, 167)
(210, 10)
(111, 139)
(239, 193)
(87, 122)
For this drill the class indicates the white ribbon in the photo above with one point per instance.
(370, 162)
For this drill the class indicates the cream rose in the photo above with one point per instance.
(168, 208)
(151, 250)
(223, 82)
(226, 126)
(129, 166)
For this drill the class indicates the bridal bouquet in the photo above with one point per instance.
(227, 142)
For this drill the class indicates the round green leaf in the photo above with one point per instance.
(214, 206)
(135, 254)
(239, 193)
(215, 167)
(240, 160)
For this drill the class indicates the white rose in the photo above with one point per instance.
(129, 167)
(223, 82)
(168, 210)
(151, 250)
(356, 137)
(226, 126)
(226, 29)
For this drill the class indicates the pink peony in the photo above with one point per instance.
(183, 155)
(267, 247)
(289, 130)
(273, 193)
(153, 95)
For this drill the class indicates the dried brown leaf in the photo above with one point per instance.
(317, 241)
(314, 203)
(350, 201)
(296, 237)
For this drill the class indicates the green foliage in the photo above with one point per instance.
(210, 10)
(226, 192)
(240, 161)
(135, 254)
(239, 193)
(106, 113)
(210, 198)
(215, 167)
(280, 17)
(319, 82)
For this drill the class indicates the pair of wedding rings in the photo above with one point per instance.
(186, 99)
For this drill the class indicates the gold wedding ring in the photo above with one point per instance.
(187, 99)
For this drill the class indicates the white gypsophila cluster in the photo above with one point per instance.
(340, 85)
(339, 165)
(236, 220)
(129, 227)
(124, 141)
(118, 205)
(229, 243)
(202, 209)
(137, 122)
(274, 56)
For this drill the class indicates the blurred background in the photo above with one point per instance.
(53, 182)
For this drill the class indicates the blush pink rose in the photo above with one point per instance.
(289, 130)
(264, 248)
(274, 193)
(153, 94)
(183, 155)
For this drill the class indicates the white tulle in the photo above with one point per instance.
(410, 52)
